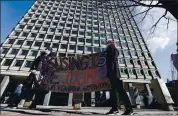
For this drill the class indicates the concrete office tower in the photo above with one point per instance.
(73, 27)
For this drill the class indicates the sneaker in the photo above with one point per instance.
(113, 112)
(128, 112)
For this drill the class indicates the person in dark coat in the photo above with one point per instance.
(112, 54)
(39, 94)
(16, 97)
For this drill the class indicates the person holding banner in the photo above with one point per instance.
(112, 54)
(37, 77)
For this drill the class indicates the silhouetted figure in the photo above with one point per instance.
(16, 97)
(116, 83)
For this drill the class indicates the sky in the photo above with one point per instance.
(161, 45)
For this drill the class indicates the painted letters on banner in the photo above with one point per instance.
(76, 74)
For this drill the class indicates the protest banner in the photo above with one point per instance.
(75, 74)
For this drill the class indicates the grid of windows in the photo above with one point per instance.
(80, 27)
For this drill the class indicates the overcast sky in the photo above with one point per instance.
(162, 45)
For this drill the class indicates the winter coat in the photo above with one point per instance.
(112, 54)
(37, 64)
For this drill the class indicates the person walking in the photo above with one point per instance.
(37, 77)
(17, 95)
(112, 54)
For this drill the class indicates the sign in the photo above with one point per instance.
(75, 74)
(174, 58)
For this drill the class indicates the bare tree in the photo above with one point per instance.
(169, 6)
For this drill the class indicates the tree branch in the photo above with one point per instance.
(146, 5)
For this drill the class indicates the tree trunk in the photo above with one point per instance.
(171, 6)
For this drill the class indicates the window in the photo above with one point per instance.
(96, 49)
(80, 48)
(29, 43)
(67, 31)
(121, 61)
(133, 53)
(59, 30)
(14, 51)
(10, 41)
(21, 26)
(130, 44)
(28, 64)
(118, 44)
(130, 71)
(127, 61)
(123, 44)
(25, 34)
(33, 21)
(62, 54)
(74, 32)
(4, 50)
(75, 26)
(18, 63)
(49, 36)
(123, 71)
(55, 45)
(136, 46)
(44, 29)
(73, 39)
(38, 44)
(81, 39)
(96, 41)
(126, 52)
(88, 41)
(69, 25)
(139, 53)
(81, 33)
(63, 46)
(37, 28)
(146, 72)
(88, 33)
(82, 27)
(25, 20)
(24, 52)
(138, 71)
(46, 45)
(72, 47)
(33, 53)
(8, 62)
(40, 22)
(88, 49)
(65, 38)
(57, 38)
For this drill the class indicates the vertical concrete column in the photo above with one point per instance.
(147, 87)
(47, 99)
(130, 87)
(92, 99)
(162, 94)
(4, 84)
(70, 99)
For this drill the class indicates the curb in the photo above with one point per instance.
(26, 112)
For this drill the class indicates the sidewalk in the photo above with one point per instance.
(50, 110)
(104, 110)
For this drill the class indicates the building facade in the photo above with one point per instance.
(75, 27)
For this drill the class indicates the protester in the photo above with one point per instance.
(114, 77)
(41, 60)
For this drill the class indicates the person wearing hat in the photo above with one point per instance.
(112, 54)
